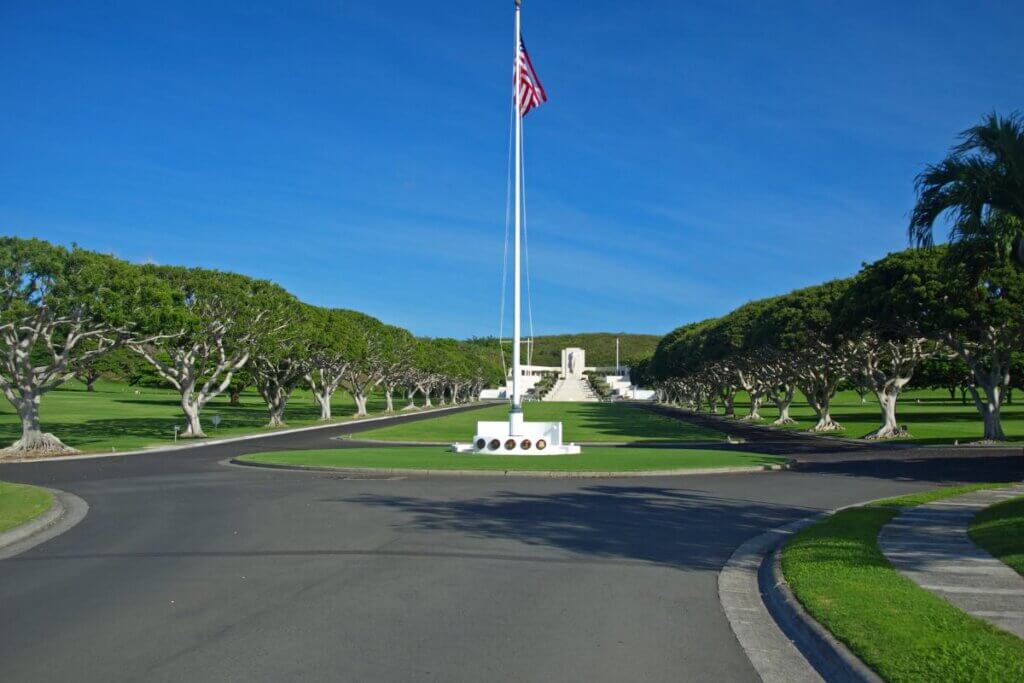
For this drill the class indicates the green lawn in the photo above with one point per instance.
(930, 416)
(581, 422)
(115, 416)
(19, 503)
(1000, 530)
(903, 632)
(592, 459)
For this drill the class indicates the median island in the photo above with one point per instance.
(583, 423)
(20, 503)
(593, 459)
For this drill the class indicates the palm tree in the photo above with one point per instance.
(980, 185)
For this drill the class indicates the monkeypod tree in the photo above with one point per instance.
(334, 334)
(281, 357)
(640, 374)
(768, 370)
(60, 310)
(734, 339)
(801, 322)
(367, 355)
(428, 364)
(396, 351)
(976, 297)
(446, 363)
(485, 365)
(215, 322)
(880, 319)
(680, 366)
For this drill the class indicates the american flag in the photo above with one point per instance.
(531, 92)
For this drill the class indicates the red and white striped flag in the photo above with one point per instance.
(531, 92)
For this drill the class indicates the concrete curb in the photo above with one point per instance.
(244, 437)
(540, 474)
(67, 511)
(833, 660)
(782, 641)
(773, 655)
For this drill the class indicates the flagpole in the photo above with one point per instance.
(515, 417)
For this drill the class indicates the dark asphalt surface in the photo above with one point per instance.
(189, 569)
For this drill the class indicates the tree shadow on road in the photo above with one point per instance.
(939, 468)
(672, 527)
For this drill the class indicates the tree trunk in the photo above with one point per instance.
(390, 402)
(193, 428)
(33, 438)
(729, 398)
(90, 384)
(782, 402)
(989, 407)
(426, 398)
(323, 399)
(234, 398)
(887, 403)
(276, 399)
(411, 398)
(755, 408)
(360, 399)
(821, 402)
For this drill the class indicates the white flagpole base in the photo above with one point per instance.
(530, 438)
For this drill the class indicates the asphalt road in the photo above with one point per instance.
(189, 569)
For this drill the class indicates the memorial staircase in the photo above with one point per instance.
(571, 389)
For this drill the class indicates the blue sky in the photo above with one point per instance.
(693, 155)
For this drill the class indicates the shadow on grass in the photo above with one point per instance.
(672, 527)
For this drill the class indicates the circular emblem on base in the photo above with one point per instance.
(494, 444)
(541, 444)
(510, 444)
(525, 444)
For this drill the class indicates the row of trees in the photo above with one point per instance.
(68, 312)
(940, 308)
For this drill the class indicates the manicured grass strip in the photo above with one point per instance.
(122, 417)
(930, 415)
(20, 503)
(837, 571)
(586, 422)
(1000, 530)
(594, 459)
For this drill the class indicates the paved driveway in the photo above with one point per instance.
(188, 569)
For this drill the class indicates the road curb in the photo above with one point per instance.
(782, 641)
(538, 474)
(67, 511)
(244, 437)
(833, 660)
